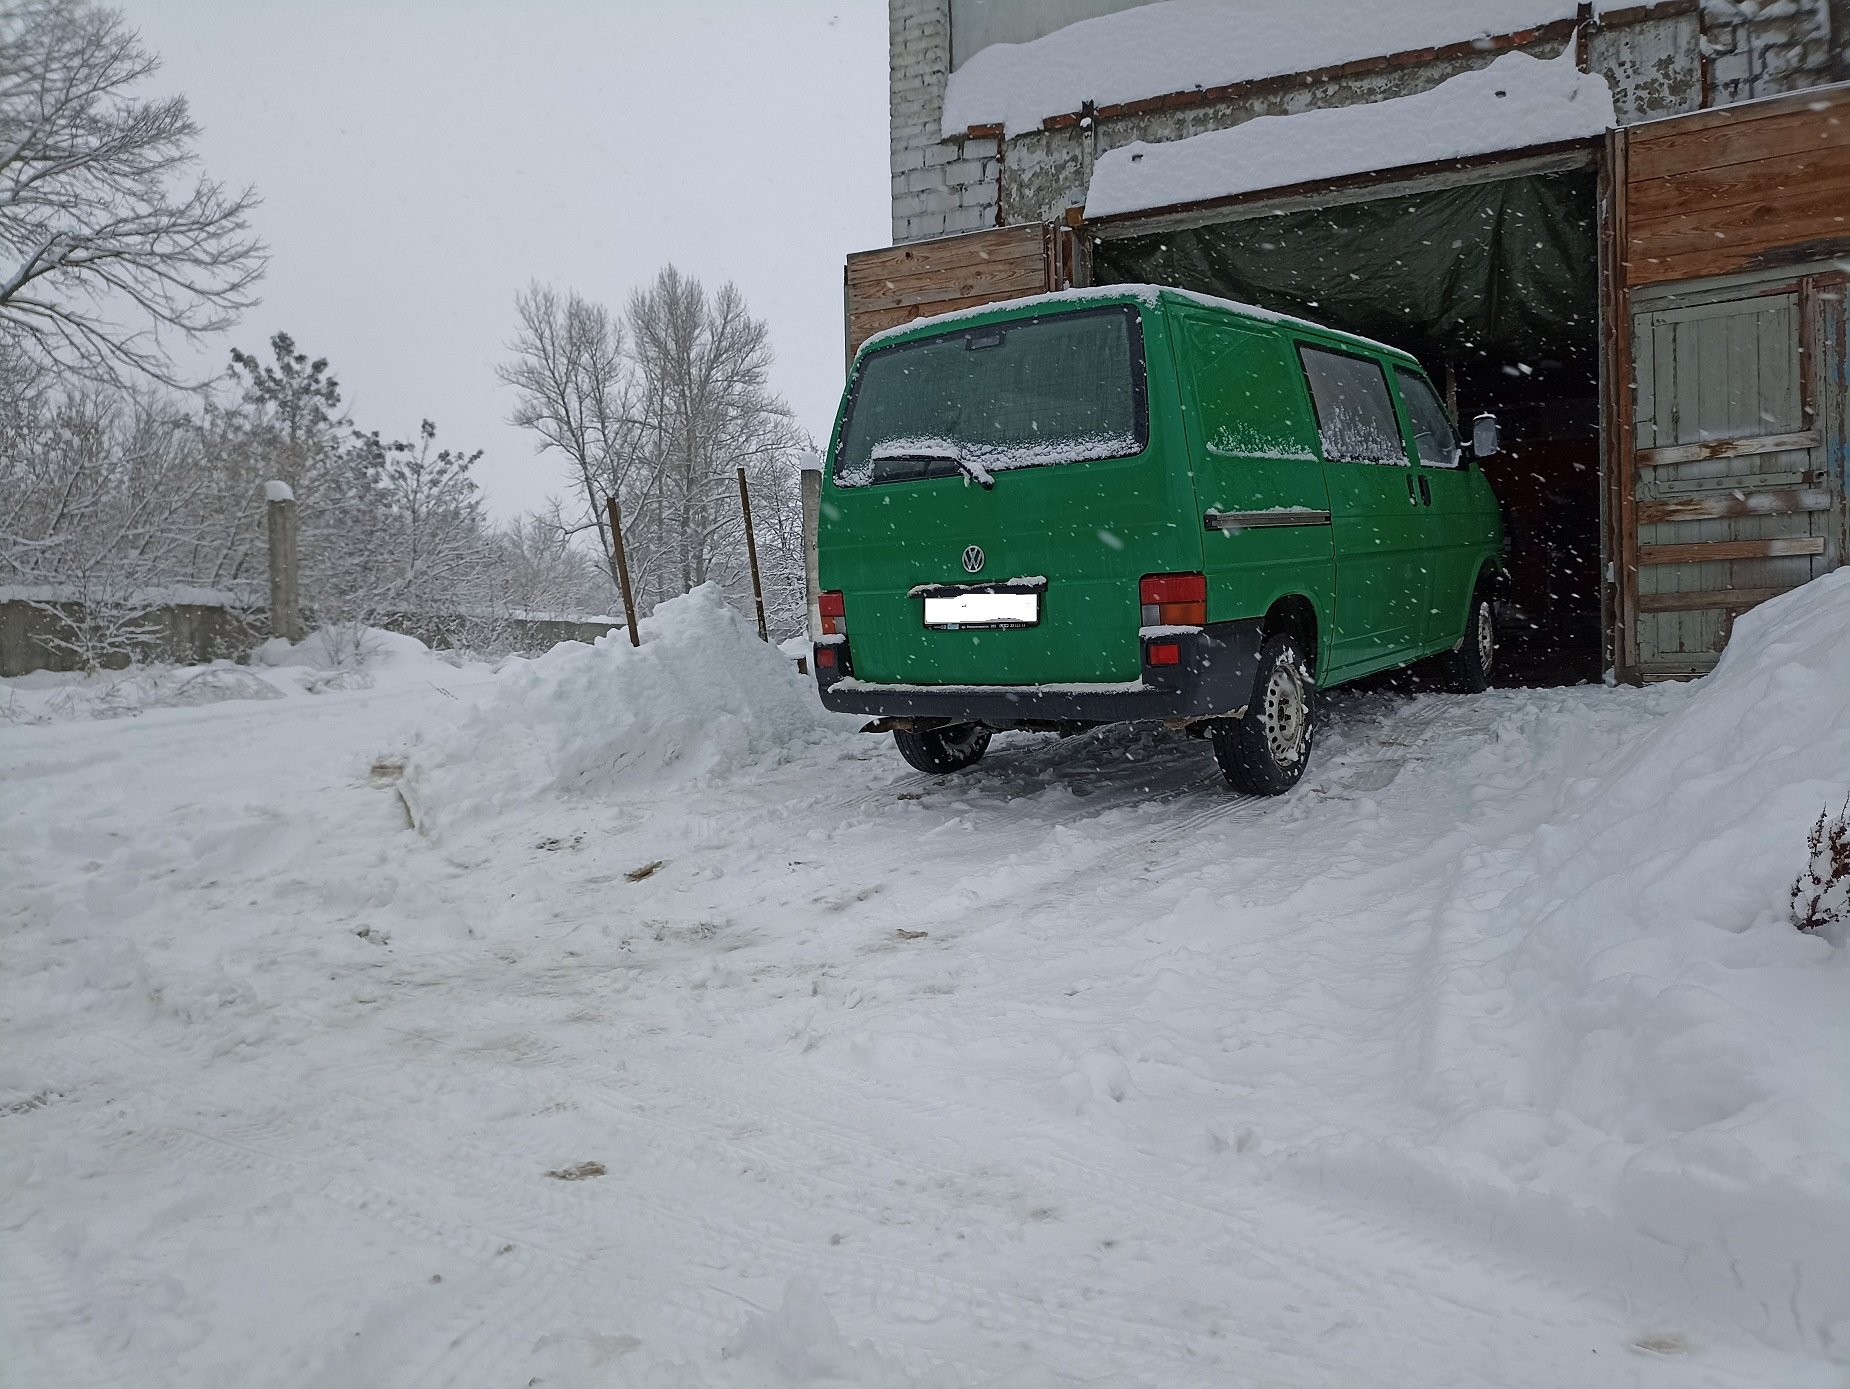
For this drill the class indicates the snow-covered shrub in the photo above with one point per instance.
(102, 624)
(1821, 895)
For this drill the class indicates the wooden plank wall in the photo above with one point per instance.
(1759, 186)
(1739, 188)
(897, 284)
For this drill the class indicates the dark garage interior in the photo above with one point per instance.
(1494, 287)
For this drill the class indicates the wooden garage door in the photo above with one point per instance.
(1728, 471)
(897, 284)
(1725, 368)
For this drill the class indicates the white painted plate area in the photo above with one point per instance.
(984, 610)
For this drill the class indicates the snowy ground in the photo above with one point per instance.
(647, 1027)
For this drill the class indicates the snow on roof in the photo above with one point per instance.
(1180, 45)
(1144, 294)
(1516, 102)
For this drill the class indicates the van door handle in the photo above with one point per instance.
(1425, 491)
(1411, 499)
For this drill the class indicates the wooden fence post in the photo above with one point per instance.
(285, 611)
(751, 552)
(623, 568)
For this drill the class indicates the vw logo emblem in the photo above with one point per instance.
(973, 558)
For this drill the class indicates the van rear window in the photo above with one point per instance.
(1060, 388)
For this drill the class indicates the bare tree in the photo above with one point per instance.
(702, 363)
(103, 244)
(569, 370)
(542, 572)
(660, 410)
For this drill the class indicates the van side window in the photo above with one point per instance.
(1434, 439)
(1355, 413)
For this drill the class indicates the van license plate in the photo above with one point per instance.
(984, 610)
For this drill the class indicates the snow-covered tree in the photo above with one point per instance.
(112, 496)
(430, 539)
(541, 571)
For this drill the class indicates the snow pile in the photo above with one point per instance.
(343, 658)
(1182, 45)
(43, 696)
(700, 696)
(800, 1347)
(181, 688)
(347, 648)
(1517, 101)
(1636, 1061)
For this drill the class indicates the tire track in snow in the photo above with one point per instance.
(552, 1222)
(506, 1320)
(475, 1343)
(49, 1309)
(773, 1097)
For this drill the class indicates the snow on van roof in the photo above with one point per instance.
(1516, 102)
(1180, 45)
(1143, 294)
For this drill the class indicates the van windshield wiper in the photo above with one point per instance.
(971, 469)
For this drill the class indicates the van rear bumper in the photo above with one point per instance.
(1213, 677)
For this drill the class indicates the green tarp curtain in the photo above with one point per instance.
(1507, 269)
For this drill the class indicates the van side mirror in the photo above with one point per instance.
(1486, 438)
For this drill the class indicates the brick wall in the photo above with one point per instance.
(939, 186)
(1761, 47)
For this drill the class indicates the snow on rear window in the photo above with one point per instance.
(1061, 389)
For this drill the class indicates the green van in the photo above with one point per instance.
(1141, 503)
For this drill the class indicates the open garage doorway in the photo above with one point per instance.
(1494, 287)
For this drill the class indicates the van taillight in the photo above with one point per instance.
(1174, 600)
(834, 614)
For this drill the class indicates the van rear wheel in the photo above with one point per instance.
(1264, 753)
(949, 748)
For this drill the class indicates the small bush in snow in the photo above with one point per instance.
(1821, 896)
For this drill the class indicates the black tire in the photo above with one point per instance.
(1468, 669)
(950, 748)
(1264, 753)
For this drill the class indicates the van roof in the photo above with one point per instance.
(1116, 294)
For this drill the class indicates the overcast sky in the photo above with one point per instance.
(420, 163)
